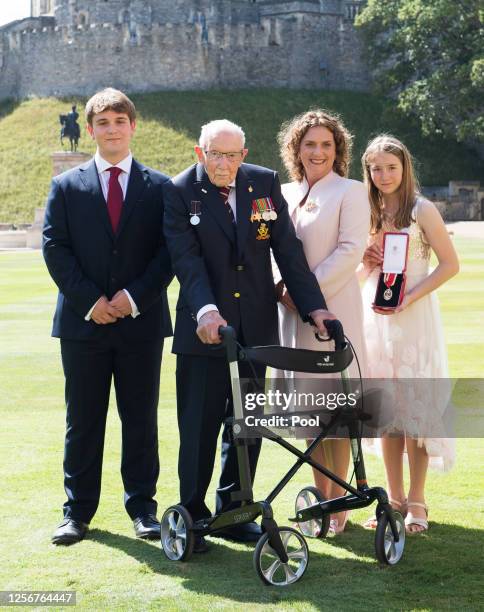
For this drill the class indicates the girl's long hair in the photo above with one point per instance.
(409, 188)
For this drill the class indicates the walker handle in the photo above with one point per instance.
(336, 333)
(229, 340)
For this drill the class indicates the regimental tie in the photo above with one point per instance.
(115, 197)
(224, 194)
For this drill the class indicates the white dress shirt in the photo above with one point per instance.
(104, 175)
(233, 205)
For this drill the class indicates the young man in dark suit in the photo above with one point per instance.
(104, 246)
(222, 219)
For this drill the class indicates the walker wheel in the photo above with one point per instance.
(317, 527)
(388, 551)
(271, 570)
(177, 537)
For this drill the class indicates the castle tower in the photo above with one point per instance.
(41, 7)
(352, 8)
(85, 12)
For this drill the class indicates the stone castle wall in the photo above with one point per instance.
(139, 47)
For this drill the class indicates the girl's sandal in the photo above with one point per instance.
(372, 522)
(415, 521)
(336, 527)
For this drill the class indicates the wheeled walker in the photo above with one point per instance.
(281, 554)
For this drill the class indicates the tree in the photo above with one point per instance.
(429, 55)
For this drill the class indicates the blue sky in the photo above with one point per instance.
(13, 9)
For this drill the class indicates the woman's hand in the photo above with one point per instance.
(373, 256)
(408, 299)
(286, 300)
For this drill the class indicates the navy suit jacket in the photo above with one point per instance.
(87, 260)
(218, 264)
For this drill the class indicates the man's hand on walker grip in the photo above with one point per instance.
(318, 317)
(208, 326)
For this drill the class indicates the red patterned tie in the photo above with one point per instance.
(115, 197)
(224, 194)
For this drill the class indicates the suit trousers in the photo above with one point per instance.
(204, 399)
(89, 368)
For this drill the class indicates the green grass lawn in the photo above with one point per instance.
(111, 570)
(169, 125)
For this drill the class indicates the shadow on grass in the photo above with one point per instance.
(448, 541)
(346, 567)
(7, 107)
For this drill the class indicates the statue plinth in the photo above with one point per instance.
(61, 161)
(65, 160)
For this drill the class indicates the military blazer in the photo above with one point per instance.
(217, 262)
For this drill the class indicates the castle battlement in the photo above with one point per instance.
(75, 48)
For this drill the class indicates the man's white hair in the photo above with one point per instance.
(211, 129)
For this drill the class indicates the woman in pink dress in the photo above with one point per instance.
(407, 342)
(331, 215)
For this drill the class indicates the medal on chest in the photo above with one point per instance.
(263, 208)
(262, 232)
(195, 212)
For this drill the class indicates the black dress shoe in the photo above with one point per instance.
(69, 531)
(248, 532)
(147, 527)
(201, 545)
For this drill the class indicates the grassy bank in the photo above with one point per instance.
(169, 125)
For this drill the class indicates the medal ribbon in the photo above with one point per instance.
(263, 205)
(389, 279)
(195, 207)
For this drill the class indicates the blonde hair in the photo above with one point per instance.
(293, 131)
(409, 187)
(110, 99)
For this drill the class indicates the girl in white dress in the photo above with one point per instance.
(408, 341)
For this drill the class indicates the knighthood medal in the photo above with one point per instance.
(262, 232)
(389, 280)
(195, 211)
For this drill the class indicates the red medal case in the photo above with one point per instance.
(384, 299)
